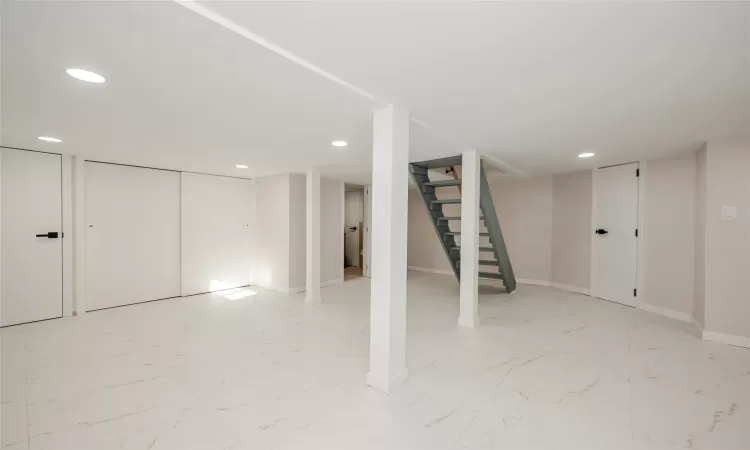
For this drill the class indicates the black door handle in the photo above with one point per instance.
(50, 235)
(601, 231)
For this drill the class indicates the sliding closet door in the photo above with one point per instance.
(133, 235)
(215, 233)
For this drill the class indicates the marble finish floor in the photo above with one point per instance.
(260, 370)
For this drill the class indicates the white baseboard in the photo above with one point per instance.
(739, 341)
(300, 289)
(331, 282)
(534, 282)
(666, 312)
(571, 288)
(429, 270)
(697, 324)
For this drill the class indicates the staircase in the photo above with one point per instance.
(494, 262)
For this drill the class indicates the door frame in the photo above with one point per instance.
(639, 260)
(66, 224)
(367, 218)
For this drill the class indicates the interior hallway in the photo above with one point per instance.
(256, 369)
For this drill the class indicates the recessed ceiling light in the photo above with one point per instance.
(241, 166)
(49, 139)
(339, 143)
(85, 75)
(585, 155)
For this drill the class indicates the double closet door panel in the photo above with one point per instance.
(132, 235)
(31, 265)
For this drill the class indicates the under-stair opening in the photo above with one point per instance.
(442, 197)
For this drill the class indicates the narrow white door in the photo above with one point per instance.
(132, 235)
(31, 229)
(353, 216)
(216, 236)
(615, 245)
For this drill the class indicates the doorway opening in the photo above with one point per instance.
(354, 229)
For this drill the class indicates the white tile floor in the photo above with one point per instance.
(547, 369)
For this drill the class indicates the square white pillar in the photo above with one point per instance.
(312, 238)
(390, 190)
(469, 290)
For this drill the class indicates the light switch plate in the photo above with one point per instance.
(728, 212)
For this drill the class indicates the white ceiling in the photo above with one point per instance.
(530, 84)
(181, 93)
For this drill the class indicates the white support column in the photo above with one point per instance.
(469, 290)
(390, 184)
(312, 255)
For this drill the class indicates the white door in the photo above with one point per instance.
(215, 233)
(353, 216)
(31, 229)
(615, 245)
(132, 235)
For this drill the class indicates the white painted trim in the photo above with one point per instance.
(300, 289)
(331, 282)
(739, 341)
(571, 288)
(666, 312)
(641, 262)
(697, 324)
(534, 282)
(672, 314)
(429, 270)
(67, 232)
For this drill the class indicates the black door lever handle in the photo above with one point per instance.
(601, 231)
(50, 235)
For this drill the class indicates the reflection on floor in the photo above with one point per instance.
(546, 370)
(352, 272)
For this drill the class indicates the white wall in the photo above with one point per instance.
(571, 229)
(546, 223)
(280, 238)
(525, 207)
(331, 234)
(271, 242)
(424, 250)
(297, 226)
(215, 234)
(669, 232)
(699, 305)
(727, 297)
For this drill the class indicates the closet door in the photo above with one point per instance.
(215, 233)
(133, 235)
